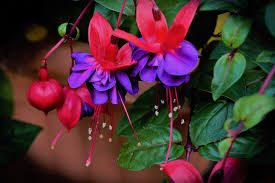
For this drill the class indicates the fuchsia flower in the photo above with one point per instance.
(161, 52)
(182, 171)
(102, 71)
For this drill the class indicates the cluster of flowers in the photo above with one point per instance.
(108, 73)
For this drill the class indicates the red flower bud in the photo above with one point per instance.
(231, 173)
(45, 94)
(182, 171)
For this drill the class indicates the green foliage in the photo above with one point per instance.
(252, 109)
(207, 122)
(227, 71)
(6, 96)
(16, 138)
(269, 18)
(115, 5)
(154, 145)
(235, 30)
(221, 5)
(65, 28)
(266, 56)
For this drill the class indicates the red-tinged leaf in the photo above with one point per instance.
(69, 113)
(85, 95)
(153, 48)
(174, 37)
(99, 35)
(153, 31)
(231, 173)
(185, 16)
(182, 171)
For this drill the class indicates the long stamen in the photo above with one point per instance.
(178, 106)
(129, 118)
(91, 124)
(112, 123)
(88, 162)
(57, 137)
(171, 127)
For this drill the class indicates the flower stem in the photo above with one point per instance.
(120, 14)
(57, 137)
(67, 36)
(267, 80)
(171, 128)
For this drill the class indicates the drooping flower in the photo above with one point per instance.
(182, 171)
(77, 104)
(103, 70)
(162, 53)
(45, 94)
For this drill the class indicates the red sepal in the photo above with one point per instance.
(151, 30)
(69, 113)
(85, 95)
(182, 171)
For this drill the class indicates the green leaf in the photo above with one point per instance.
(6, 96)
(235, 30)
(154, 145)
(142, 113)
(16, 138)
(109, 15)
(220, 5)
(115, 5)
(207, 124)
(270, 17)
(226, 73)
(252, 109)
(243, 147)
(266, 56)
(223, 146)
(65, 28)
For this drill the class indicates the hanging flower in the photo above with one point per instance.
(162, 53)
(102, 71)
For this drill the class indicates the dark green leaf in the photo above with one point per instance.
(270, 17)
(223, 146)
(244, 147)
(142, 113)
(154, 144)
(235, 30)
(6, 96)
(16, 138)
(207, 124)
(218, 5)
(111, 16)
(115, 5)
(252, 109)
(267, 56)
(226, 73)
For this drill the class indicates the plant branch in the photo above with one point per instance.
(120, 14)
(267, 80)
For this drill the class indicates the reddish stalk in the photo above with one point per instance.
(112, 123)
(176, 94)
(171, 128)
(157, 94)
(88, 162)
(57, 137)
(71, 50)
(267, 80)
(67, 36)
(129, 118)
(120, 14)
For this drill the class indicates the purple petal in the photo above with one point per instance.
(187, 49)
(98, 97)
(101, 87)
(170, 80)
(82, 67)
(125, 82)
(114, 98)
(76, 79)
(148, 74)
(155, 61)
(98, 76)
(82, 58)
(139, 66)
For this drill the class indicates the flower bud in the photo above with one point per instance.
(45, 94)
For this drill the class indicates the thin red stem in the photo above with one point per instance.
(171, 128)
(176, 94)
(267, 80)
(57, 137)
(112, 123)
(71, 50)
(120, 14)
(167, 102)
(157, 94)
(88, 162)
(128, 118)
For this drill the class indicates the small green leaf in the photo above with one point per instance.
(235, 30)
(207, 123)
(154, 145)
(223, 146)
(226, 73)
(115, 5)
(270, 17)
(6, 96)
(243, 147)
(252, 109)
(221, 5)
(65, 28)
(16, 138)
(266, 56)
